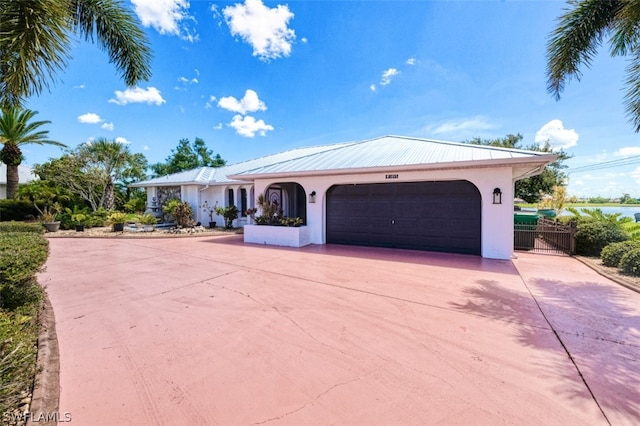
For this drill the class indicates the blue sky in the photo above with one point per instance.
(253, 78)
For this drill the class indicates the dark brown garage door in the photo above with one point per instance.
(438, 216)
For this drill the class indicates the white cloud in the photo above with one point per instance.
(304, 40)
(218, 126)
(145, 147)
(185, 80)
(263, 28)
(90, 118)
(557, 136)
(80, 86)
(209, 103)
(373, 88)
(150, 95)
(122, 140)
(628, 151)
(247, 126)
(108, 126)
(388, 75)
(411, 61)
(163, 15)
(461, 128)
(249, 103)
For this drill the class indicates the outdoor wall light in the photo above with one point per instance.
(312, 197)
(497, 196)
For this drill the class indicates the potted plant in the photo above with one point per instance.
(211, 210)
(229, 213)
(117, 219)
(78, 220)
(147, 221)
(48, 216)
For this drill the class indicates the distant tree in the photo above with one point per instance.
(534, 188)
(188, 156)
(92, 171)
(598, 200)
(17, 129)
(579, 33)
(36, 37)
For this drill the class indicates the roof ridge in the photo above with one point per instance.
(499, 148)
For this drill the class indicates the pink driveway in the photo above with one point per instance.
(212, 331)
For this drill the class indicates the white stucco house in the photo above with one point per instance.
(25, 174)
(390, 191)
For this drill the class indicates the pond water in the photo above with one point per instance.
(624, 210)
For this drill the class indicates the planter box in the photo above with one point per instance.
(277, 235)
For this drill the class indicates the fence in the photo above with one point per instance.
(547, 236)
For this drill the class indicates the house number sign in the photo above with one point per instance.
(395, 176)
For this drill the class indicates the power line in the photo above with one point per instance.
(629, 161)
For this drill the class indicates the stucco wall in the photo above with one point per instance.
(497, 219)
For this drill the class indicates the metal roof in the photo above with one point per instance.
(397, 151)
(219, 175)
(386, 151)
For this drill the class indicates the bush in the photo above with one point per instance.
(612, 253)
(593, 236)
(180, 211)
(23, 251)
(630, 262)
(17, 210)
(22, 254)
(36, 228)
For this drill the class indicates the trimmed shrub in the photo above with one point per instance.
(593, 236)
(630, 262)
(21, 227)
(612, 253)
(17, 210)
(22, 254)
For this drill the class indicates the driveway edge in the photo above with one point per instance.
(46, 389)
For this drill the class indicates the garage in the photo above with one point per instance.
(440, 216)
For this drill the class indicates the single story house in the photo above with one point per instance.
(390, 191)
(25, 174)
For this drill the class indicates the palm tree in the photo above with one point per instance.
(116, 163)
(16, 129)
(35, 38)
(580, 32)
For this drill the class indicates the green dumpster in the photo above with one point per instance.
(524, 234)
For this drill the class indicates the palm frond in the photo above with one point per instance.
(118, 33)
(33, 47)
(575, 40)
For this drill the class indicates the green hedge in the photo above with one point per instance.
(23, 251)
(22, 254)
(612, 254)
(21, 227)
(630, 262)
(17, 210)
(593, 236)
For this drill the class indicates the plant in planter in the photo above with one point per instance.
(181, 211)
(229, 213)
(48, 216)
(117, 220)
(211, 210)
(147, 221)
(79, 220)
(271, 214)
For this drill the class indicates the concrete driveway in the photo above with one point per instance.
(212, 331)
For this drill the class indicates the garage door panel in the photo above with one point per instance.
(440, 216)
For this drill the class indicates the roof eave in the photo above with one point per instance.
(539, 162)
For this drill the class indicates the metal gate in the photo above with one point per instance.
(547, 236)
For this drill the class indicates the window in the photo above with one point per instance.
(243, 202)
(230, 200)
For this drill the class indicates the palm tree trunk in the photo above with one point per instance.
(109, 197)
(12, 180)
